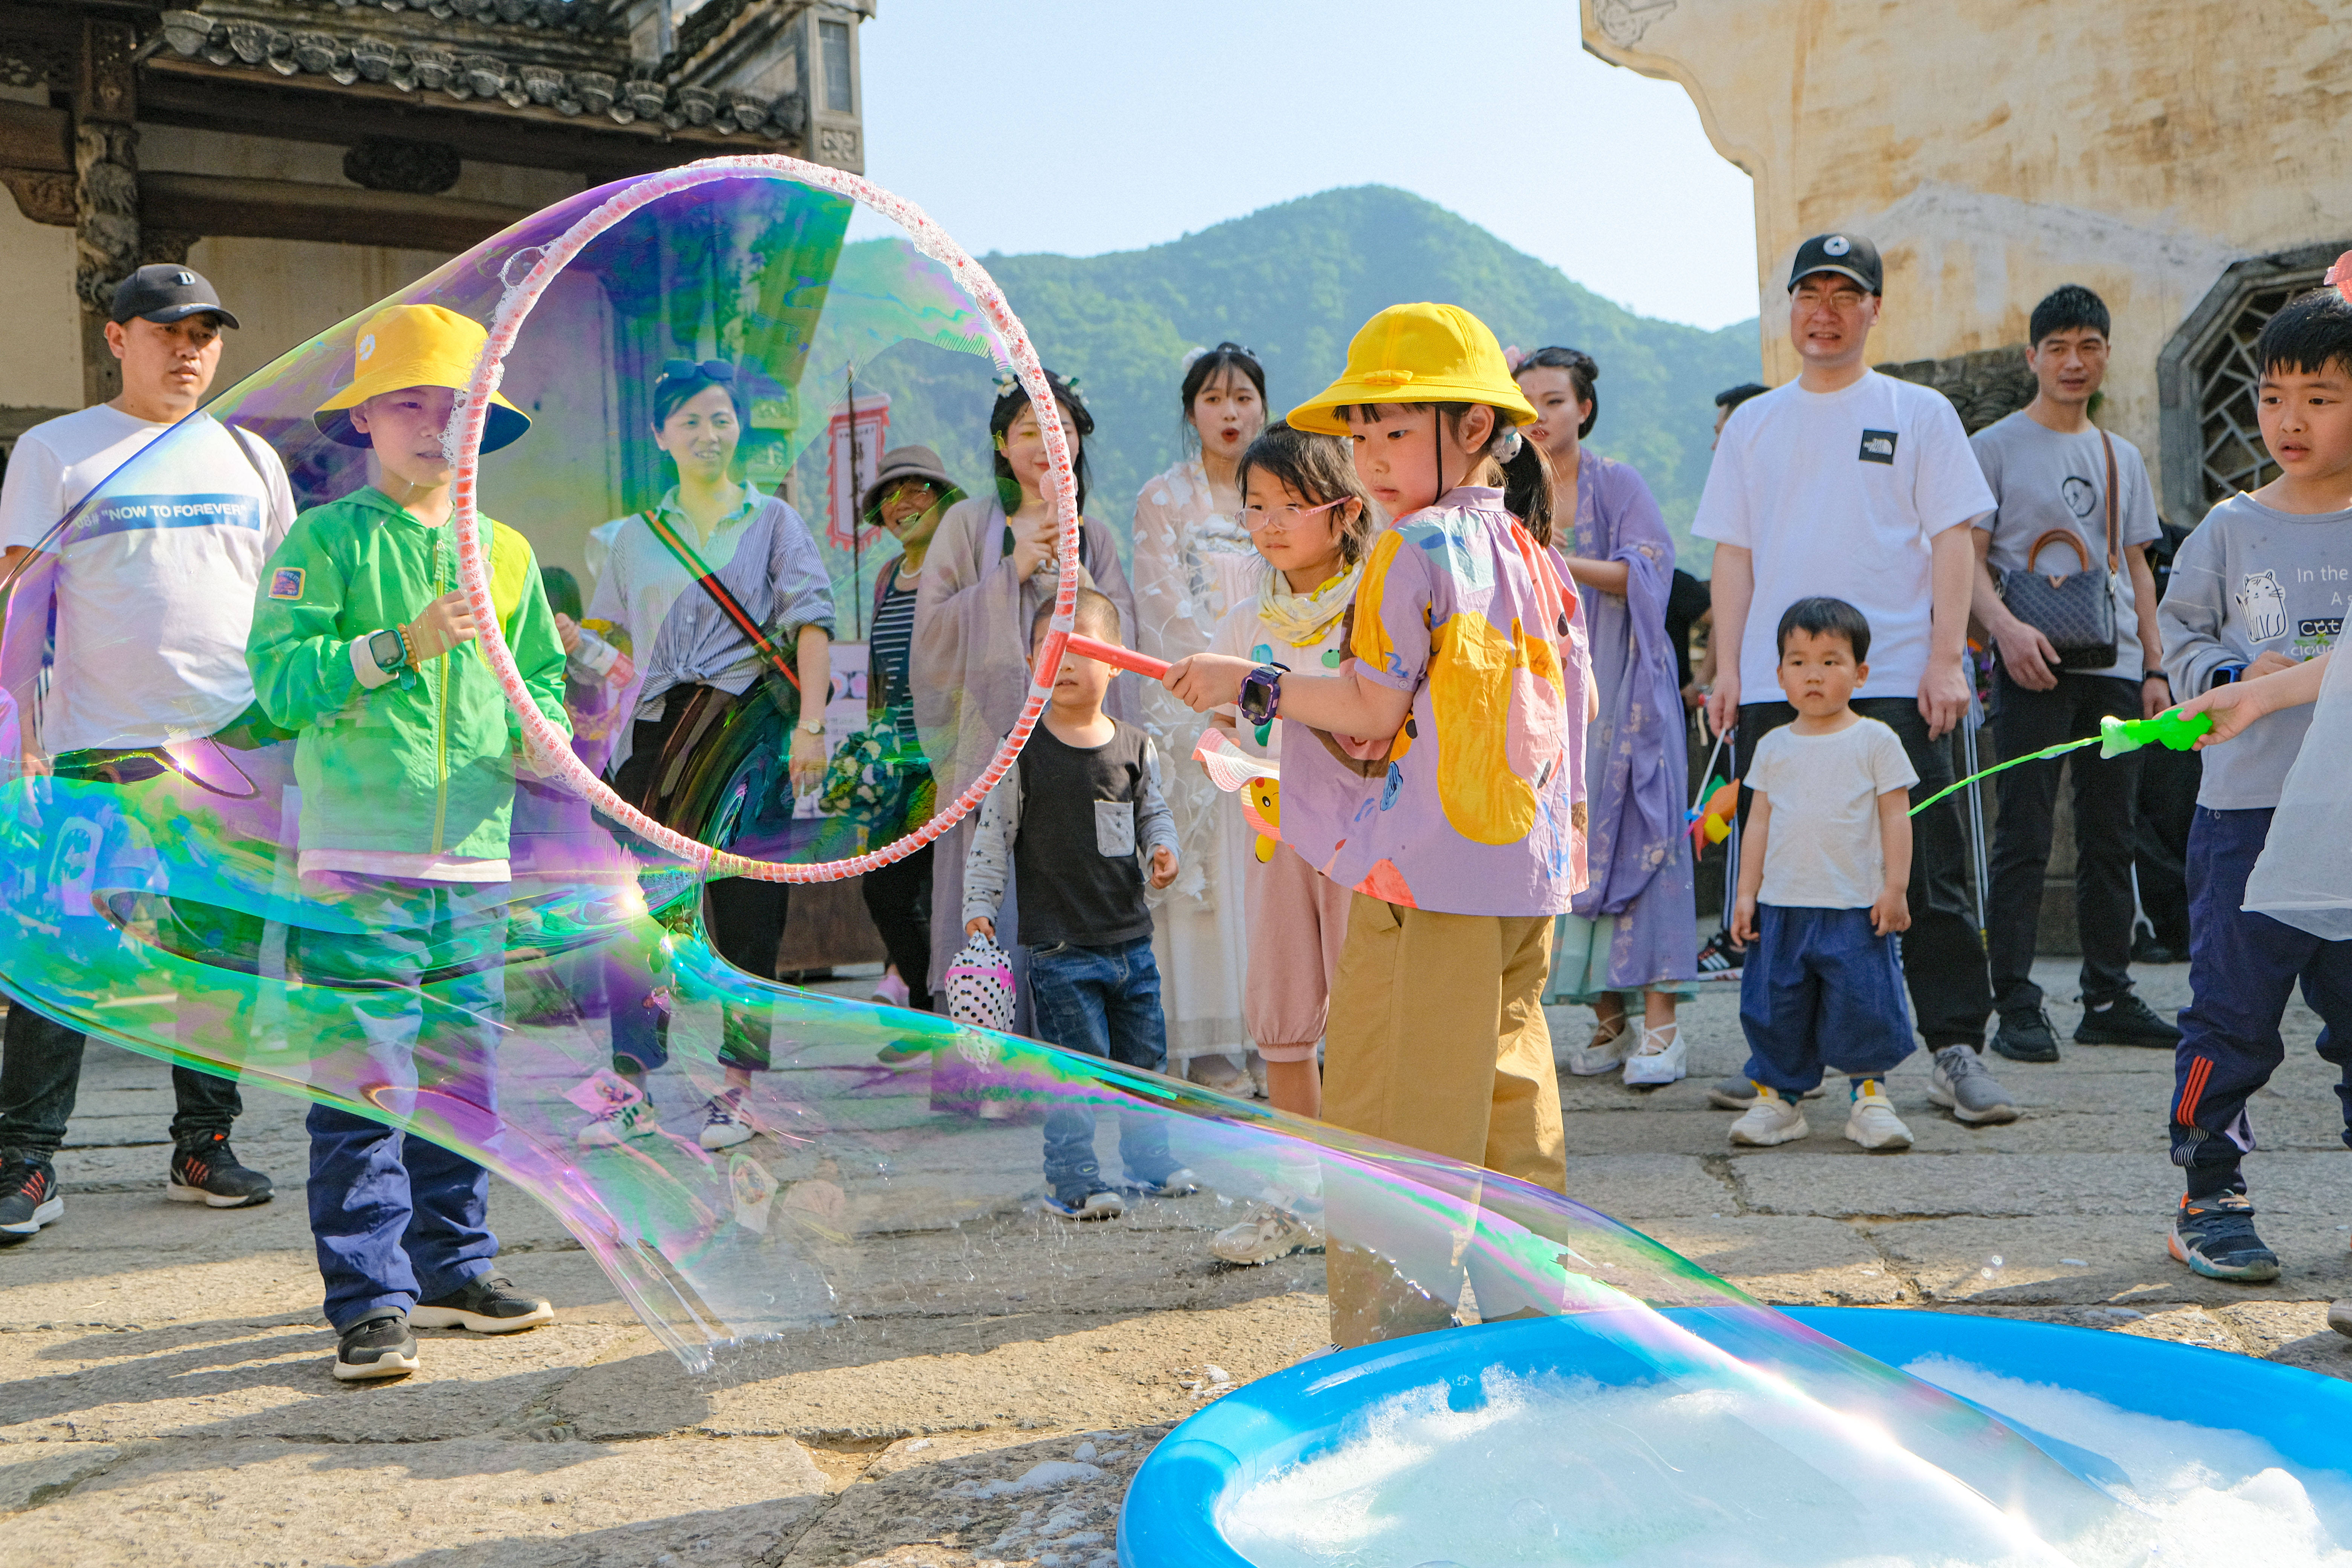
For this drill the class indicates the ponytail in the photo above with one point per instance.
(1525, 474)
(1527, 488)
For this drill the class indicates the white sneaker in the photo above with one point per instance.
(1663, 1058)
(1769, 1121)
(1180, 1183)
(611, 1129)
(1262, 1235)
(725, 1122)
(1872, 1123)
(1605, 1052)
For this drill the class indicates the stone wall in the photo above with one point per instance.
(1996, 152)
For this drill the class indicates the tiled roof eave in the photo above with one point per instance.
(196, 44)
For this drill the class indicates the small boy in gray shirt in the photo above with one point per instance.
(2259, 586)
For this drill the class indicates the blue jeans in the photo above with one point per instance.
(395, 1218)
(1820, 988)
(2242, 967)
(1103, 1001)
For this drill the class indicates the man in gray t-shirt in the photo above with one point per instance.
(2048, 465)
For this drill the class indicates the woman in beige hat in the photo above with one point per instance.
(907, 497)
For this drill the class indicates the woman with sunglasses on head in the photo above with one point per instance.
(1630, 934)
(908, 500)
(991, 563)
(669, 596)
(1193, 561)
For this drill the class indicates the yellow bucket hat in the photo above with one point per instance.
(1417, 353)
(417, 345)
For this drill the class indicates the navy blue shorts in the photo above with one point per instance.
(1821, 989)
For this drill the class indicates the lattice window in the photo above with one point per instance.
(2229, 449)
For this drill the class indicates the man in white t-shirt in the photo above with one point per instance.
(147, 591)
(1857, 486)
(2061, 482)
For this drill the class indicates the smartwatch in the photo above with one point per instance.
(1261, 695)
(2225, 675)
(389, 649)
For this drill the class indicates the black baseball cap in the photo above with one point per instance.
(1848, 255)
(162, 293)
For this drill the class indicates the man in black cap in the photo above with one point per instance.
(1854, 485)
(151, 584)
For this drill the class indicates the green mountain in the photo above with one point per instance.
(1293, 282)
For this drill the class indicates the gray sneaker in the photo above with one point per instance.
(1735, 1093)
(1964, 1086)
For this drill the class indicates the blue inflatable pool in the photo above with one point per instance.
(1170, 1516)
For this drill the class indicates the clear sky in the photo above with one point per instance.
(1085, 126)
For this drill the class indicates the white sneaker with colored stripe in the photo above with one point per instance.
(1872, 1123)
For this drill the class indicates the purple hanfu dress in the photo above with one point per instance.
(1635, 923)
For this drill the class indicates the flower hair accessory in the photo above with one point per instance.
(2339, 276)
(1192, 356)
(1007, 383)
(1514, 356)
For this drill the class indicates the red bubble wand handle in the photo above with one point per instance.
(1143, 664)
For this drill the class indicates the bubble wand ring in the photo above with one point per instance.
(549, 746)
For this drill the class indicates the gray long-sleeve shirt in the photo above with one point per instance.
(2252, 580)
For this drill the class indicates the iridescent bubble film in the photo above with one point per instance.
(156, 896)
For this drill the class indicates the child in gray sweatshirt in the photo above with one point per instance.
(2259, 587)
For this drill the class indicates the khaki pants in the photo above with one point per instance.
(1436, 1041)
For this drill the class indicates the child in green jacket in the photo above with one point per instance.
(406, 760)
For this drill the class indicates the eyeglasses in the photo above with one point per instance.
(711, 369)
(1837, 298)
(1255, 518)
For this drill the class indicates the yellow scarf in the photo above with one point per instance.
(1301, 619)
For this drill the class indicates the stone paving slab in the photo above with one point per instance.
(164, 1388)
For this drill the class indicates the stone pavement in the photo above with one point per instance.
(164, 1372)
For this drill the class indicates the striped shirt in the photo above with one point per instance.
(890, 654)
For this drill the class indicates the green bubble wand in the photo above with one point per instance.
(2171, 728)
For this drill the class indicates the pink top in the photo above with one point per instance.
(1476, 807)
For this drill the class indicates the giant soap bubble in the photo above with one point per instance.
(155, 894)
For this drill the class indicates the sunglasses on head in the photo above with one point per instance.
(711, 369)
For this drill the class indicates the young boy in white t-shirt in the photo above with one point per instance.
(1823, 892)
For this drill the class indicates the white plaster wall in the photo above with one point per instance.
(1994, 152)
(286, 290)
(40, 338)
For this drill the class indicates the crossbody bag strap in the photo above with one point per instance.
(718, 595)
(2114, 555)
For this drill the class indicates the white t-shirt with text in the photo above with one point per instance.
(1821, 848)
(157, 574)
(1838, 493)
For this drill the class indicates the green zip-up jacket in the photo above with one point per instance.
(425, 764)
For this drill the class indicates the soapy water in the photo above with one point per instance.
(151, 891)
(1560, 1470)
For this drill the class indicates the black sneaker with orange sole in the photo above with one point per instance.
(207, 1172)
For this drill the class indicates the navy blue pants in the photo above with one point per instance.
(397, 1219)
(2242, 967)
(1103, 1001)
(1821, 989)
